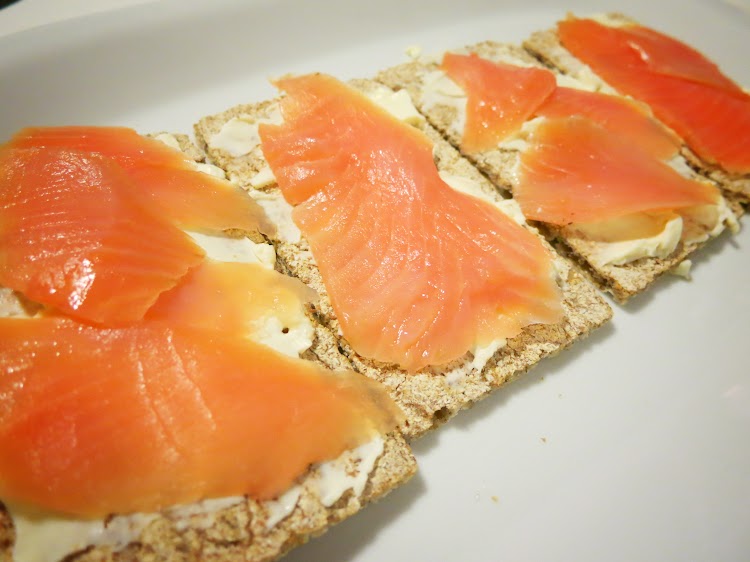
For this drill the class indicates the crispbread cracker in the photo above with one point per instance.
(239, 532)
(500, 165)
(435, 394)
(546, 46)
(239, 528)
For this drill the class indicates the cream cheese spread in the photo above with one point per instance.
(720, 216)
(263, 178)
(280, 213)
(626, 251)
(202, 514)
(289, 338)
(46, 538)
(566, 81)
(439, 90)
(239, 135)
(682, 269)
(242, 250)
(169, 139)
(279, 509)
(349, 472)
(397, 104)
(483, 353)
(468, 186)
(520, 139)
(210, 169)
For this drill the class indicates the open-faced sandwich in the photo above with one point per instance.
(159, 396)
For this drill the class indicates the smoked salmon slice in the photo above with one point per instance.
(621, 116)
(576, 171)
(500, 97)
(95, 421)
(163, 177)
(685, 90)
(417, 273)
(72, 237)
(234, 297)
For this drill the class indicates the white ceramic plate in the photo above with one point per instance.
(633, 445)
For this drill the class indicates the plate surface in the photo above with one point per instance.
(633, 445)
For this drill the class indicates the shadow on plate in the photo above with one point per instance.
(549, 366)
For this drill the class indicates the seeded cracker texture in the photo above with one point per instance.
(240, 531)
(546, 46)
(499, 165)
(433, 395)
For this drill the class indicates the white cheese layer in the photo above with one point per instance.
(280, 212)
(439, 90)
(202, 514)
(707, 221)
(348, 472)
(282, 507)
(682, 269)
(169, 139)
(483, 353)
(210, 169)
(290, 336)
(468, 186)
(713, 219)
(658, 246)
(239, 136)
(520, 139)
(45, 538)
(263, 178)
(397, 104)
(244, 250)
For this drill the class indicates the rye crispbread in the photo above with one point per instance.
(546, 46)
(432, 395)
(240, 531)
(500, 165)
(241, 528)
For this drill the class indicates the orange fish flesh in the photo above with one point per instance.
(163, 177)
(576, 171)
(623, 117)
(96, 421)
(684, 89)
(233, 297)
(500, 97)
(73, 238)
(417, 273)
